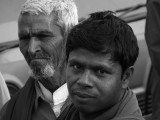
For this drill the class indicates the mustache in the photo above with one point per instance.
(84, 94)
(37, 56)
(83, 91)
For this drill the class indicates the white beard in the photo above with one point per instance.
(46, 72)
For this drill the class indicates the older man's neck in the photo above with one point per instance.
(46, 93)
(48, 84)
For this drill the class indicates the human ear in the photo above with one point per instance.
(127, 76)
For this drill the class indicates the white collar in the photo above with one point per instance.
(58, 98)
(60, 95)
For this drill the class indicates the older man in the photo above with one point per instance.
(42, 27)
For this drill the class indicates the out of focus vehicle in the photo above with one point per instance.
(135, 16)
(15, 69)
(12, 64)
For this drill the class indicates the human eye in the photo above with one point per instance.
(75, 67)
(42, 37)
(24, 38)
(45, 35)
(102, 72)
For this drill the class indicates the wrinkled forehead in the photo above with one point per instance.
(36, 23)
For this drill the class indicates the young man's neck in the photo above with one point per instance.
(106, 114)
(98, 115)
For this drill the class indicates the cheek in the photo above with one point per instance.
(54, 49)
(23, 48)
(110, 87)
(113, 93)
(69, 82)
(70, 78)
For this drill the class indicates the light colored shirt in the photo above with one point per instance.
(57, 99)
(4, 92)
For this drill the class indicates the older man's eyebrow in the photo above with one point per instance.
(43, 32)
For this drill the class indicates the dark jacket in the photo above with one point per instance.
(152, 35)
(23, 105)
(126, 109)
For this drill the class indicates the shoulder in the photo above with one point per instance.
(10, 103)
(67, 113)
(3, 111)
(130, 118)
(19, 97)
(129, 107)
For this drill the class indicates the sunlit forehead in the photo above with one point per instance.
(64, 11)
(44, 6)
(90, 59)
(30, 24)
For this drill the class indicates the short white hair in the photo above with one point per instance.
(64, 11)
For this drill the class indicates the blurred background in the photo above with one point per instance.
(15, 70)
(9, 8)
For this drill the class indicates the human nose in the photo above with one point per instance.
(85, 79)
(34, 45)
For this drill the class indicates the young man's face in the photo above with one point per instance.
(40, 43)
(94, 81)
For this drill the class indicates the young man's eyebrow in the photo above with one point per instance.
(75, 61)
(101, 66)
(95, 66)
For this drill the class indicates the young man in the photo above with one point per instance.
(101, 52)
(42, 27)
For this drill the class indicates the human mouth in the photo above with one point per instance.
(38, 62)
(83, 94)
(39, 59)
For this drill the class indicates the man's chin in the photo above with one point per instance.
(38, 63)
(42, 72)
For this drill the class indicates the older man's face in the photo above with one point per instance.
(40, 43)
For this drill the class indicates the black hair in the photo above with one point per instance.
(105, 33)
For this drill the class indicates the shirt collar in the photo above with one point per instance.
(59, 96)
